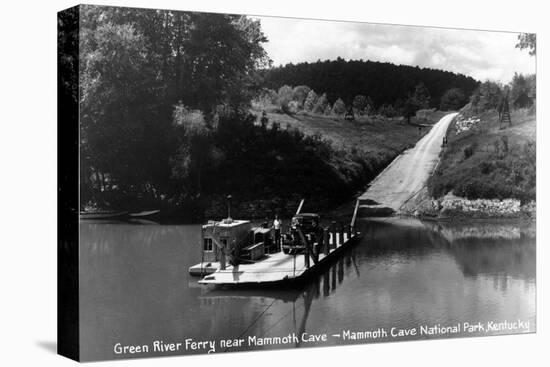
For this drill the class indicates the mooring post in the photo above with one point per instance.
(348, 227)
(354, 216)
(341, 230)
(320, 243)
(222, 259)
(333, 232)
(315, 249)
(326, 245)
(326, 284)
(306, 254)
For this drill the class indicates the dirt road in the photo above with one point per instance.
(406, 175)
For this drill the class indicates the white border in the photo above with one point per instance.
(28, 184)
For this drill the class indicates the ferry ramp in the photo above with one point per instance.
(406, 175)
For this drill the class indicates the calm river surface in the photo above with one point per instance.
(403, 274)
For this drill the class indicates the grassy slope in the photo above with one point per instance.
(382, 137)
(476, 163)
(333, 177)
(368, 144)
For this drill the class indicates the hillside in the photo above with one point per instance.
(375, 136)
(361, 149)
(483, 162)
(384, 83)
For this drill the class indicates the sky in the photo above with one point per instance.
(483, 55)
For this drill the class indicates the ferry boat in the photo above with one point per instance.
(230, 241)
(234, 252)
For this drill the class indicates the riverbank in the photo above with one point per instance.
(454, 207)
(324, 159)
(485, 171)
(484, 160)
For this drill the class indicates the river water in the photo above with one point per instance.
(403, 275)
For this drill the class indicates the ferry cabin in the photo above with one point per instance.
(223, 239)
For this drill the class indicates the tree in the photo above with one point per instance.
(221, 52)
(474, 100)
(266, 98)
(310, 101)
(453, 99)
(369, 109)
(420, 99)
(116, 83)
(421, 96)
(409, 108)
(194, 150)
(321, 104)
(488, 96)
(339, 107)
(285, 95)
(527, 41)
(360, 103)
(300, 94)
(524, 88)
(135, 65)
(387, 110)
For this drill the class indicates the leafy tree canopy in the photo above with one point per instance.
(453, 99)
(527, 41)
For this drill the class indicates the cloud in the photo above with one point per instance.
(480, 54)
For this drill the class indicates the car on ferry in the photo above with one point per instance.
(309, 224)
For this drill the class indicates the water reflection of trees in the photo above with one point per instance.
(105, 238)
(509, 258)
(479, 248)
(381, 239)
(496, 248)
(490, 229)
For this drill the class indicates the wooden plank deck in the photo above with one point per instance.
(277, 267)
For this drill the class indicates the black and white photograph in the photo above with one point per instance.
(239, 182)
(274, 183)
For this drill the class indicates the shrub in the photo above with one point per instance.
(453, 99)
(285, 95)
(360, 103)
(387, 110)
(300, 94)
(421, 96)
(339, 107)
(266, 100)
(486, 167)
(487, 96)
(469, 151)
(310, 101)
(293, 107)
(321, 104)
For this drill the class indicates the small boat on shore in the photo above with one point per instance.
(103, 215)
(145, 214)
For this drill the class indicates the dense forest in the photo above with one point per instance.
(383, 83)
